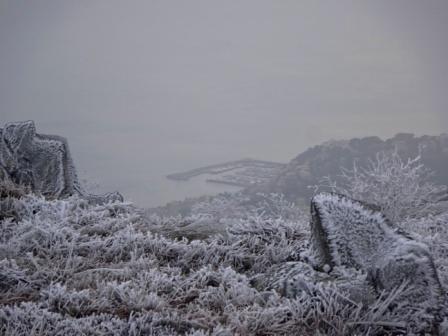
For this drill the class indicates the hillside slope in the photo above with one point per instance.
(327, 159)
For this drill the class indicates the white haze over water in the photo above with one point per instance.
(142, 89)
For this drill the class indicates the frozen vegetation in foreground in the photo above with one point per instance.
(68, 267)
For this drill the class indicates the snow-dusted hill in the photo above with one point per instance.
(327, 159)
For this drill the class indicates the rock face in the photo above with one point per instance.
(41, 162)
(345, 232)
(355, 249)
(327, 159)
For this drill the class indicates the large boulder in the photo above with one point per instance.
(41, 162)
(349, 233)
(354, 249)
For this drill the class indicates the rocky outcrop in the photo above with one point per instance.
(346, 232)
(354, 248)
(41, 162)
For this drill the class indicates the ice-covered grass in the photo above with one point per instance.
(68, 267)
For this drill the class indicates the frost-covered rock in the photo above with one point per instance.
(410, 262)
(346, 232)
(41, 162)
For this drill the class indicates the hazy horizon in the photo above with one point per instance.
(142, 89)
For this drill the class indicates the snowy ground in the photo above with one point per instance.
(70, 268)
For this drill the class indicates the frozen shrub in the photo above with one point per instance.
(401, 189)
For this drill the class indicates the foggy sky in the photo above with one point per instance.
(153, 87)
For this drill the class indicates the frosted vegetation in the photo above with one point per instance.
(233, 266)
(402, 189)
